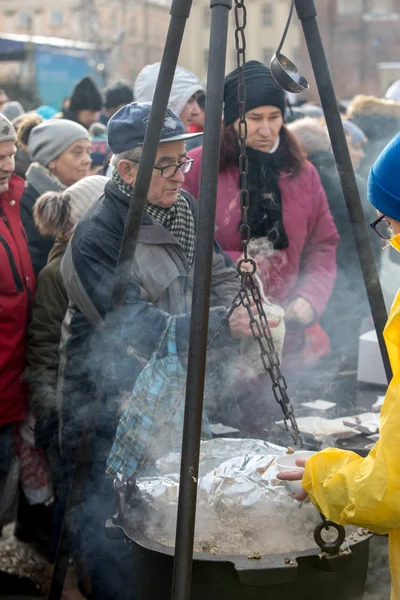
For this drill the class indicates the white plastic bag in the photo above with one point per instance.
(250, 349)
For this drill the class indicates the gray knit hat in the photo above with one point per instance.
(13, 109)
(7, 131)
(49, 139)
(58, 213)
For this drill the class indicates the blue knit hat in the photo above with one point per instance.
(384, 183)
(46, 111)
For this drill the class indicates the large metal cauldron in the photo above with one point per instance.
(294, 576)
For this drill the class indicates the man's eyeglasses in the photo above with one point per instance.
(170, 171)
(381, 227)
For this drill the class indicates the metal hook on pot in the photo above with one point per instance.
(285, 73)
(329, 547)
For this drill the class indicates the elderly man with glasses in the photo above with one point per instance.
(161, 285)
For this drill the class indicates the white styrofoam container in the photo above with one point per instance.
(370, 365)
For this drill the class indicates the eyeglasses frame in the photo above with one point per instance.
(177, 166)
(374, 227)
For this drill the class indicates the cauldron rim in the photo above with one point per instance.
(240, 561)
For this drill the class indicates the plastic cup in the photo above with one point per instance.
(287, 463)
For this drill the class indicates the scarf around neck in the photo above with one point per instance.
(265, 211)
(43, 180)
(178, 219)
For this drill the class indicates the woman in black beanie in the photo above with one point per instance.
(289, 215)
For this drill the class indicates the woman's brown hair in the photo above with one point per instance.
(294, 157)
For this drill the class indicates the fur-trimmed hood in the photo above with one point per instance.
(378, 118)
(372, 106)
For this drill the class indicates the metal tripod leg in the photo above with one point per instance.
(181, 587)
(307, 14)
(180, 10)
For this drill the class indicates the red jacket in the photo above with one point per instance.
(17, 287)
(307, 268)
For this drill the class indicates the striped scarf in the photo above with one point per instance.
(178, 219)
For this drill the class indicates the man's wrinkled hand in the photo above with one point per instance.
(300, 310)
(295, 476)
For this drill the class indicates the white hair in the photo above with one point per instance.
(312, 135)
(134, 154)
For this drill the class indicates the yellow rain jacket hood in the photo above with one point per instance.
(366, 491)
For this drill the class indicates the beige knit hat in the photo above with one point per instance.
(58, 213)
(7, 131)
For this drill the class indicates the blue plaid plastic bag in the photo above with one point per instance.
(152, 423)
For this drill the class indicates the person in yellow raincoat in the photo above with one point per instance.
(348, 489)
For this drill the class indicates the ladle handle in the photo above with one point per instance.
(286, 29)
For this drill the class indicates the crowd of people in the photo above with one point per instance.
(66, 181)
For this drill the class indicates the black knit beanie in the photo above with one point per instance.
(118, 94)
(261, 90)
(86, 96)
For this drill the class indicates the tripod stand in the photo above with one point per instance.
(180, 11)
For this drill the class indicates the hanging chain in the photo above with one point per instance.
(260, 329)
(240, 41)
(249, 294)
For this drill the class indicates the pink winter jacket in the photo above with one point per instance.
(307, 268)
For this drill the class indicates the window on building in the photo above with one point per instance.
(133, 29)
(56, 18)
(267, 14)
(267, 54)
(24, 20)
(296, 53)
(9, 20)
(350, 7)
(233, 64)
(207, 17)
(357, 7)
(381, 6)
(205, 59)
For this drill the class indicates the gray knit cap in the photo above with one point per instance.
(49, 139)
(7, 131)
(58, 213)
(12, 110)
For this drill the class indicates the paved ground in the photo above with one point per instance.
(25, 572)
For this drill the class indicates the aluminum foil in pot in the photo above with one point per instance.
(242, 506)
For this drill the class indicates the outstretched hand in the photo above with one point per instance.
(295, 476)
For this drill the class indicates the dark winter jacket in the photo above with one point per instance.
(38, 181)
(17, 287)
(70, 116)
(161, 285)
(39, 246)
(44, 334)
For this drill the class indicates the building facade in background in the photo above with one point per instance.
(361, 37)
(362, 42)
(133, 32)
(265, 24)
